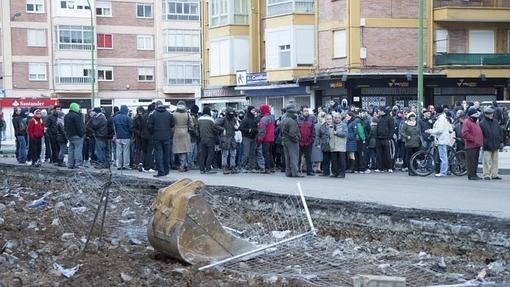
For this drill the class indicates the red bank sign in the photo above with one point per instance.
(27, 103)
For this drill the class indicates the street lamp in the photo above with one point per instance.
(92, 48)
(420, 56)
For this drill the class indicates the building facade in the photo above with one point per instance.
(142, 50)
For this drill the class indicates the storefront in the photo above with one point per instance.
(7, 106)
(220, 98)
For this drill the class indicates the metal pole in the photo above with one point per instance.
(420, 56)
(301, 194)
(92, 48)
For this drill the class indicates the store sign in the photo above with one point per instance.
(336, 85)
(398, 84)
(220, 92)
(462, 83)
(243, 78)
(256, 78)
(28, 103)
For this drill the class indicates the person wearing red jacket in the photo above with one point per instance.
(306, 124)
(473, 140)
(265, 135)
(35, 131)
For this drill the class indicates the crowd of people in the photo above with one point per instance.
(332, 141)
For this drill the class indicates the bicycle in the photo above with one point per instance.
(423, 162)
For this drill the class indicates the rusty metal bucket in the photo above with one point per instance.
(184, 226)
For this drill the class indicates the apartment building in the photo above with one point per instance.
(367, 51)
(255, 51)
(141, 51)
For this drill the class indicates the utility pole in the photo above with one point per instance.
(92, 48)
(420, 56)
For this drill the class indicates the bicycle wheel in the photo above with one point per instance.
(458, 163)
(421, 163)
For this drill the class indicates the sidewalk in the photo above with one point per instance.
(504, 157)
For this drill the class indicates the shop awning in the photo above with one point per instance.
(223, 100)
(273, 90)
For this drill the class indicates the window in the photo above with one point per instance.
(74, 4)
(36, 38)
(339, 44)
(278, 7)
(104, 41)
(104, 8)
(183, 73)
(181, 10)
(74, 37)
(145, 74)
(182, 41)
(35, 6)
(73, 72)
(104, 74)
(441, 41)
(284, 56)
(225, 12)
(481, 41)
(144, 10)
(37, 71)
(144, 43)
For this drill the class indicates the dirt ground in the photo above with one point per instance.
(34, 238)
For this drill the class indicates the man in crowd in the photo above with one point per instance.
(123, 128)
(442, 130)
(473, 140)
(290, 141)
(265, 137)
(491, 143)
(74, 129)
(160, 125)
(384, 133)
(98, 125)
(207, 134)
(248, 128)
(51, 133)
(227, 127)
(306, 131)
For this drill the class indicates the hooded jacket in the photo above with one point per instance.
(266, 125)
(227, 128)
(35, 128)
(73, 122)
(306, 130)
(99, 124)
(161, 123)
(385, 127)
(289, 128)
(51, 124)
(412, 131)
(248, 126)
(442, 130)
(123, 123)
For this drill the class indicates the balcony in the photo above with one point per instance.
(74, 80)
(472, 10)
(280, 7)
(472, 60)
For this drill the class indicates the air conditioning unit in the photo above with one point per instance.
(363, 53)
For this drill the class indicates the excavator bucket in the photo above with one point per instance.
(184, 226)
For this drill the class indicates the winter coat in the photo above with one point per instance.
(290, 129)
(266, 127)
(193, 131)
(20, 128)
(144, 126)
(338, 137)
(227, 128)
(324, 136)
(206, 129)
(410, 134)
(372, 141)
(99, 124)
(73, 124)
(160, 124)
(385, 127)
(306, 126)
(351, 145)
(138, 127)
(442, 130)
(248, 126)
(472, 134)
(35, 128)
(61, 134)
(491, 134)
(123, 124)
(182, 139)
(51, 124)
(316, 149)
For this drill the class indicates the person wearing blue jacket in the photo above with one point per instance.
(123, 125)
